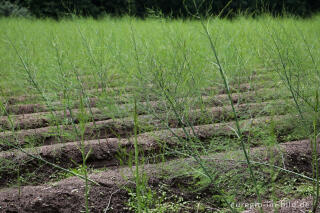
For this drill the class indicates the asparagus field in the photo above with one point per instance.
(159, 115)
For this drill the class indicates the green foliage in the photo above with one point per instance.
(11, 9)
(179, 8)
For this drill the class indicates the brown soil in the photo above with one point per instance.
(216, 100)
(106, 152)
(125, 92)
(44, 119)
(50, 135)
(35, 108)
(24, 98)
(124, 127)
(68, 195)
(26, 108)
(111, 147)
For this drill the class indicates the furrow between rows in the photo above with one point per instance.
(125, 95)
(124, 127)
(107, 152)
(43, 119)
(112, 182)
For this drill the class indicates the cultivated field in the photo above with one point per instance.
(158, 115)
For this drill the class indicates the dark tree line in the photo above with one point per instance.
(143, 8)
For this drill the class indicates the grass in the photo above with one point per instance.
(74, 61)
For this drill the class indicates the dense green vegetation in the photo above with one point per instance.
(143, 8)
(125, 64)
(107, 47)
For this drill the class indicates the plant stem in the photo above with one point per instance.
(239, 133)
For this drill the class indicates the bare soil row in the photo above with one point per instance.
(123, 127)
(124, 94)
(110, 194)
(42, 112)
(111, 145)
(111, 151)
(47, 118)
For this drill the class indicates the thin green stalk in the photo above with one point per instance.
(17, 147)
(136, 55)
(161, 85)
(136, 157)
(84, 94)
(315, 157)
(19, 183)
(31, 78)
(287, 78)
(256, 163)
(194, 155)
(36, 85)
(93, 61)
(63, 79)
(238, 130)
(188, 139)
(85, 156)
